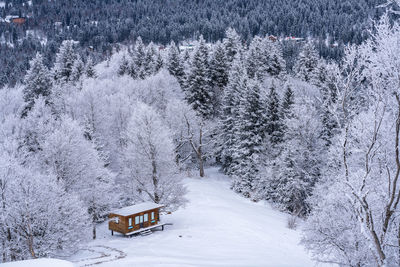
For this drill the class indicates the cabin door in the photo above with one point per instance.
(141, 221)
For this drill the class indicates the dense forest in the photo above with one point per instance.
(98, 25)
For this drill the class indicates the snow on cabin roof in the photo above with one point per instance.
(137, 208)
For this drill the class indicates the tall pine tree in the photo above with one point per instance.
(199, 92)
(37, 83)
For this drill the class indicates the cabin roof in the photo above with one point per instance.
(137, 208)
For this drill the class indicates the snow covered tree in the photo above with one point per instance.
(306, 67)
(219, 67)
(138, 66)
(123, 66)
(218, 74)
(175, 65)
(37, 82)
(299, 165)
(159, 63)
(276, 65)
(150, 170)
(230, 114)
(274, 119)
(199, 92)
(255, 58)
(90, 72)
(353, 221)
(79, 168)
(78, 69)
(249, 149)
(232, 44)
(38, 218)
(287, 103)
(65, 59)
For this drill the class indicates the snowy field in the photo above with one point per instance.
(216, 228)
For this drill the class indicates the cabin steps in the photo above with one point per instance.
(146, 232)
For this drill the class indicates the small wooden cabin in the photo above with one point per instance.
(19, 20)
(135, 218)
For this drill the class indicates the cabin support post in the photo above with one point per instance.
(162, 227)
(112, 232)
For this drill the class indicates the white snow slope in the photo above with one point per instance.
(216, 228)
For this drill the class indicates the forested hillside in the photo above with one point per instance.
(318, 140)
(100, 24)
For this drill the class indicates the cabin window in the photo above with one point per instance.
(130, 223)
(116, 219)
(152, 215)
(146, 217)
(137, 220)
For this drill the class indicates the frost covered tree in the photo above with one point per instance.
(90, 72)
(249, 149)
(65, 59)
(38, 218)
(353, 221)
(175, 64)
(230, 114)
(78, 69)
(37, 82)
(306, 67)
(276, 65)
(150, 171)
(274, 122)
(123, 66)
(219, 67)
(219, 74)
(79, 168)
(232, 44)
(298, 166)
(138, 66)
(199, 92)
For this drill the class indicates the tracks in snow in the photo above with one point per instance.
(101, 255)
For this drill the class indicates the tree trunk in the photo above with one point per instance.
(94, 230)
(200, 153)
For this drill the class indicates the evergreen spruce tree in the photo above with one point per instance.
(255, 58)
(175, 65)
(249, 146)
(329, 124)
(89, 69)
(65, 60)
(306, 67)
(37, 82)
(219, 67)
(77, 69)
(159, 64)
(232, 44)
(276, 63)
(274, 120)
(124, 66)
(199, 92)
(228, 134)
(150, 60)
(219, 75)
(139, 60)
(287, 103)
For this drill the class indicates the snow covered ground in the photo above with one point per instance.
(216, 228)
(39, 263)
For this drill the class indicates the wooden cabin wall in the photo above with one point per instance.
(123, 225)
